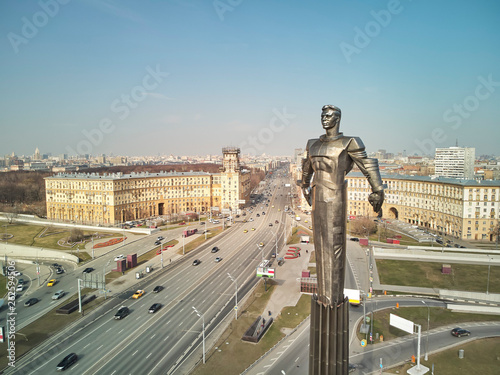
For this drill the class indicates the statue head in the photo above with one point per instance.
(330, 116)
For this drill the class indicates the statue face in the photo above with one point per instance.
(330, 118)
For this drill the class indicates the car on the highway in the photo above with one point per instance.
(253, 228)
(270, 224)
(276, 222)
(31, 302)
(122, 312)
(160, 238)
(67, 362)
(119, 257)
(158, 242)
(52, 282)
(58, 294)
(218, 259)
(157, 289)
(59, 270)
(88, 270)
(258, 215)
(139, 293)
(459, 332)
(154, 308)
(261, 244)
(263, 213)
(196, 262)
(245, 231)
(215, 249)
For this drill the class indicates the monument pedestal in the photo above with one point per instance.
(329, 339)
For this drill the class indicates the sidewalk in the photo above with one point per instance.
(288, 279)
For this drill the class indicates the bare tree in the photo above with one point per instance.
(11, 217)
(76, 235)
(363, 226)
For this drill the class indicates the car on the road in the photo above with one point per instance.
(253, 228)
(19, 287)
(352, 367)
(88, 270)
(196, 262)
(31, 302)
(459, 332)
(263, 213)
(59, 270)
(55, 265)
(258, 215)
(119, 257)
(218, 259)
(154, 308)
(355, 239)
(52, 282)
(160, 238)
(245, 231)
(158, 242)
(215, 249)
(58, 294)
(67, 362)
(270, 224)
(276, 222)
(122, 312)
(16, 273)
(157, 289)
(20, 281)
(139, 293)
(261, 244)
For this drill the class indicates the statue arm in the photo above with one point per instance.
(307, 173)
(369, 168)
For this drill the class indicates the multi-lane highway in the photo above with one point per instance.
(160, 343)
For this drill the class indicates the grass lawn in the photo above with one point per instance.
(438, 317)
(480, 357)
(296, 233)
(467, 277)
(199, 241)
(231, 355)
(49, 324)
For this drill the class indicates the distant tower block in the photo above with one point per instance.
(230, 160)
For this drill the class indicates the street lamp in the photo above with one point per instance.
(104, 277)
(489, 266)
(236, 296)
(261, 250)
(427, 338)
(276, 236)
(203, 322)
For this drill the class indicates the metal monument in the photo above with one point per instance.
(329, 158)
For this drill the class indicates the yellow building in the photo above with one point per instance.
(115, 198)
(464, 209)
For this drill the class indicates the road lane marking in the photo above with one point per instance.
(153, 336)
(135, 352)
(99, 347)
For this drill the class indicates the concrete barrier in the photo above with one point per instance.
(463, 295)
(474, 309)
(434, 256)
(33, 253)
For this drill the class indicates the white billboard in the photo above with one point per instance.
(401, 323)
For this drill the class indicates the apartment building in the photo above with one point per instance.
(114, 198)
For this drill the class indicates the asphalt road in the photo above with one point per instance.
(161, 343)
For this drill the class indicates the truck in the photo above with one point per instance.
(189, 232)
(354, 296)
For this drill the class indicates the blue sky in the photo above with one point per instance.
(191, 76)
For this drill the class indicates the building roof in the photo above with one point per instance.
(121, 176)
(444, 180)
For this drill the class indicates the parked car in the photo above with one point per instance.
(31, 302)
(215, 249)
(20, 281)
(157, 289)
(58, 294)
(355, 239)
(154, 308)
(196, 262)
(122, 312)
(19, 287)
(88, 270)
(59, 270)
(67, 362)
(139, 293)
(459, 332)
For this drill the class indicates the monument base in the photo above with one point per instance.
(329, 339)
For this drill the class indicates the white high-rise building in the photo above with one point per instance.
(455, 162)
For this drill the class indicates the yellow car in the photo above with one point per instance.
(310, 227)
(279, 209)
(138, 294)
(245, 231)
(52, 282)
(245, 220)
(253, 228)
(261, 244)
(272, 206)
(305, 221)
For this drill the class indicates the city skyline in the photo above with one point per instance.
(178, 76)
